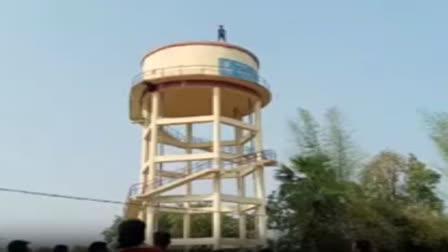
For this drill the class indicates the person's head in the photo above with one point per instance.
(162, 239)
(18, 246)
(60, 248)
(98, 246)
(131, 233)
(362, 246)
(221, 26)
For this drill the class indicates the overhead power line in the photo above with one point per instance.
(71, 197)
(54, 195)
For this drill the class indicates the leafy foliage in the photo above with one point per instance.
(173, 223)
(339, 146)
(309, 199)
(380, 176)
(421, 184)
(318, 207)
(201, 222)
(333, 141)
(110, 234)
(438, 126)
(306, 131)
(316, 211)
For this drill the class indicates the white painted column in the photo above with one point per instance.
(259, 176)
(187, 217)
(142, 213)
(145, 144)
(161, 152)
(216, 164)
(144, 160)
(150, 210)
(240, 184)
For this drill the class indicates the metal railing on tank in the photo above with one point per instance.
(213, 70)
(138, 188)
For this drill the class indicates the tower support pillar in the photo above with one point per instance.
(150, 209)
(216, 231)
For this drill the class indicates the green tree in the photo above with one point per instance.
(381, 175)
(343, 154)
(396, 208)
(201, 224)
(438, 130)
(318, 207)
(333, 141)
(421, 184)
(110, 234)
(307, 206)
(306, 132)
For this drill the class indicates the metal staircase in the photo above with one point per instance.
(182, 139)
(165, 180)
(179, 177)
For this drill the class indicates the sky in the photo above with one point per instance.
(66, 69)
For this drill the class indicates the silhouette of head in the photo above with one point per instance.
(162, 239)
(131, 233)
(18, 246)
(60, 248)
(221, 26)
(362, 246)
(98, 246)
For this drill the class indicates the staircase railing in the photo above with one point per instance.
(181, 137)
(161, 180)
(139, 188)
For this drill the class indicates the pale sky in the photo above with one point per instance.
(66, 69)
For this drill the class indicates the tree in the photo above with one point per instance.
(318, 207)
(403, 192)
(438, 128)
(173, 223)
(333, 140)
(307, 206)
(381, 176)
(110, 234)
(395, 207)
(201, 224)
(344, 158)
(306, 132)
(421, 184)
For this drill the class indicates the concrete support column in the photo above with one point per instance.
(216, 164)
(241, 187)
(144, 160)
(142, 213)
(259, 177)
(150, 210)
(187, 217)
(145, 144)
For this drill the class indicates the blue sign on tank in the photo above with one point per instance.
(236, 69)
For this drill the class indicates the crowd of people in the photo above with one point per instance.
(131, 238)
(23, 246)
